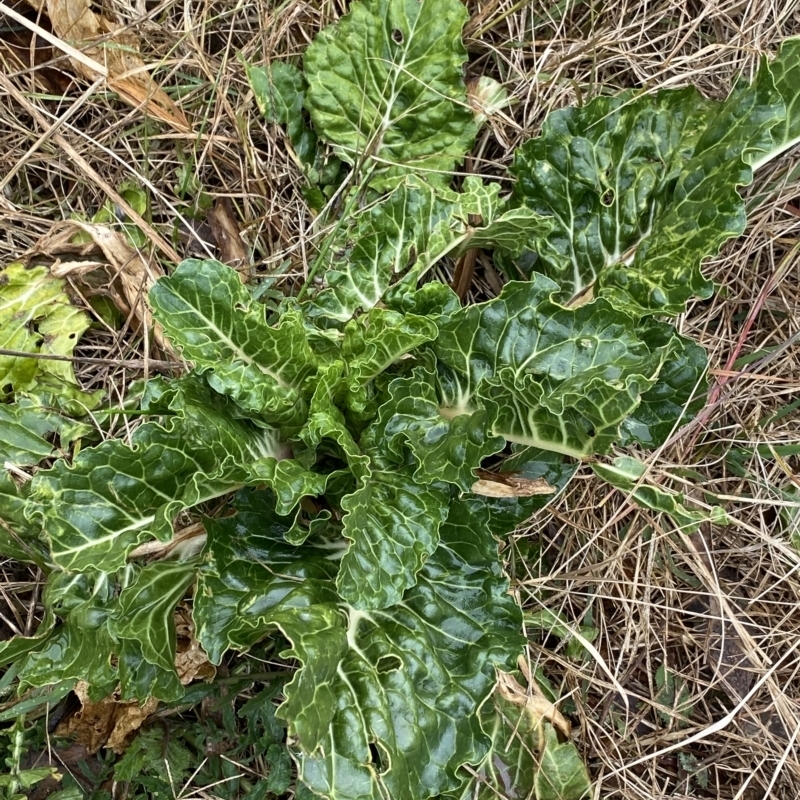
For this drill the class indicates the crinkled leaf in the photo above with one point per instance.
(246, 558)
(604, 174)
(375, 341)
(678, 394)
(392, 523)
(390, 520)
(445, 447)
(642, 189)
(326, 423)
(206, 310)
(28, 433)
(384, 703)
(80, 646)
(37, 317)
(630, 476)
(378, 244)
(385, 87)
(114, 496)
(401, 237)
(551, 377)
(785, 71)
(290, 481)
(561, 775)
(488, 222)
(705, 208)
(378, 339)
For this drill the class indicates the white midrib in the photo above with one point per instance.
(386, 122)
(769, 156)
(242, 355)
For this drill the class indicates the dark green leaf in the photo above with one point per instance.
(642, 189)
(550, 377)
(114, 496)
(206, 310)
(444, 447)
(144, 618)
(385, 86)
(392, 524)
(406, 680)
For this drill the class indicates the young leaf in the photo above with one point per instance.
(561, 774)
(391, 521)
(206, 310)
(290, 481)
(280, 90)
(385, 87)
(374, 342)
(392, 524)
(384, 702)
(398, 240)
(446, 447)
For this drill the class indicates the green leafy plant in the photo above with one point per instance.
(347, 424)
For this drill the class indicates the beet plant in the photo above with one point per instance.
(340, 434)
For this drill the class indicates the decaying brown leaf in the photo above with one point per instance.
(22, 51)
(492, 484)
(191, 662)
(129, 273)
(111, 722)
(534, 707)
(226, 232)
(103, 41)
(108, 723)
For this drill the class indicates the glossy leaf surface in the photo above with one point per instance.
(385, 86)
(394, 691)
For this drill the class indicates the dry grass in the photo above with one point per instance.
(720, 610)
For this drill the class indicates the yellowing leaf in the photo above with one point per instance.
(37, 318)
(561, 774)
(535, 708)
